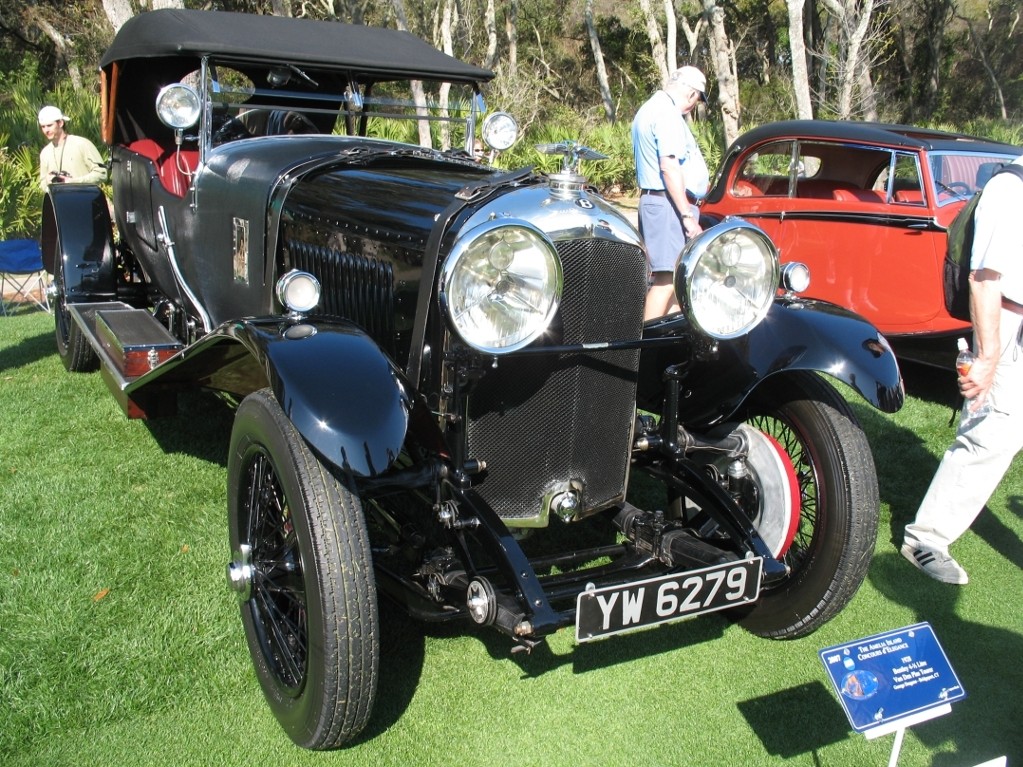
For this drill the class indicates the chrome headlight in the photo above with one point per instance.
(178, 106)
(726, 278)
(501, 285)
(500, 130)
(795, 277)
(298, 292)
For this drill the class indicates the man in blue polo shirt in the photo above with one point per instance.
(672, 176)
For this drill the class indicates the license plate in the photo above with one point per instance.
(614, 609)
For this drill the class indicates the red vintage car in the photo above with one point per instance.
(867, 207)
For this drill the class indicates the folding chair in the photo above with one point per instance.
(22, 277)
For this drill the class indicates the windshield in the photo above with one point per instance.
(959, 175)
(246, 102)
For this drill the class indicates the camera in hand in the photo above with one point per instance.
(59, 176)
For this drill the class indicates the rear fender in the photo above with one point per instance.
(76, 229)
(797, 334)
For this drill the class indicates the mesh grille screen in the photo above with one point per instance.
(541, 421)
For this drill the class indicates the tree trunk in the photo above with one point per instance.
(490, 22)
(598, 59)
(671, 35)
(853, 22)
(985, 61)
(62, 45)
(418, 94)
(653, 31)
(511, 32)
(722, 52)
(280, 7)
(118, 12)
(936, 16)
(692, 34)
(868, 97)
(445, 88)
(800, 73)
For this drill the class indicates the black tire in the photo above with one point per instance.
(74, 349)
(837, 531)
(309, 599)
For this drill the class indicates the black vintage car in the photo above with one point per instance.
(445, 390)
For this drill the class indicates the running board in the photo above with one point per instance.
(129, 343)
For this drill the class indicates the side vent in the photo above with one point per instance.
(354, 287)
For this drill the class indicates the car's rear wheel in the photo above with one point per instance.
(72, 346)
(303, 572)
(834, 538)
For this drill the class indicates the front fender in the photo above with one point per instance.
(342, 393)
(338, 388)
(797, 334)
(76, 229)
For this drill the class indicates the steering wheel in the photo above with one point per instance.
(229, 131)
(956, 188)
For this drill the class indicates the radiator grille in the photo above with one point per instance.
(357, 288)
(541, 421)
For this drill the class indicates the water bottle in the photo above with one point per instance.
(972, 410)
(965, 359)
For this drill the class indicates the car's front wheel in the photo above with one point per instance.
(835, 485)
(302, 569)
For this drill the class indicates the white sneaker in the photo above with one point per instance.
(936, 564)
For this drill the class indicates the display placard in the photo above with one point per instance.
(887, 677)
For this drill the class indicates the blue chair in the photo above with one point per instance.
(22, 277)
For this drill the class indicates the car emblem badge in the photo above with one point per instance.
(241, 250)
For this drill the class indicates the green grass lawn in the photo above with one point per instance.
(121, 645)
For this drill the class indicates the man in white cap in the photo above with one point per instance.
(66, 158)
(672, 177)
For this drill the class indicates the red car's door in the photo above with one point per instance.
(828, 206)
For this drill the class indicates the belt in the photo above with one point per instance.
(692, 198)
(1012, 306)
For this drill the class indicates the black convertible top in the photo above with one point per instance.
(380, 54)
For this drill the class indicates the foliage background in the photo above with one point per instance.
(119, 643)
(941, 63)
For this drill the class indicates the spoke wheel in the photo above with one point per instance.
(836, 532)
(302, 570)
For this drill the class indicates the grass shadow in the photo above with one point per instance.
(930, 384)
(903, 463)
(402, 655)
(26, 352)
(1000, 536)
(779, 720)
(623, 648)
(202, 427)
(627, 648)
